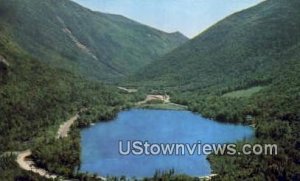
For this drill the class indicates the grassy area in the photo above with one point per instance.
(243, 93)
(167, 106)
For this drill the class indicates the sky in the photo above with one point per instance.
(190, 17)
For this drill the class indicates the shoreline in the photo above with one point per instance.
(64, 128)
(163, 106)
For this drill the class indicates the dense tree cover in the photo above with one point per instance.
(59, 156)
(159, 175)
(36, 96)
(275, 111)
(170, 175)
(44, 97)
(98, 45)
(238, 53)
(9, 170)
(255, 47)
(36, 99)
(243, 50)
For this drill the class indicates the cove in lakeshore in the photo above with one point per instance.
(100, 143)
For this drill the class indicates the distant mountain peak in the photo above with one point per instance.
(98, 45)
(179, 34)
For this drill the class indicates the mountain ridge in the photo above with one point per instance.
(241, 49)
(97, 45)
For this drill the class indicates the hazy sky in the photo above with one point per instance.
(190, 17)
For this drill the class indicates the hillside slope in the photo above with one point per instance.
(255, 49)
(98, 45)
(35, 99)
(245, 49)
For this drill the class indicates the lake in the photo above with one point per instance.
(100, 143)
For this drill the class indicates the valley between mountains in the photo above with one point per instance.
(59, 59)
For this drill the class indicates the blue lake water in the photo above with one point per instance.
(100, 143)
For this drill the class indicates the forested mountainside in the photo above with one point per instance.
(35, 99)
(52, 56)
(245, 69)
(246, 48)
(66, 35)
(274, 111)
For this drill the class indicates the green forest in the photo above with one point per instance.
(244, 69)
(96, 45)
(247, 65)
(35, 99)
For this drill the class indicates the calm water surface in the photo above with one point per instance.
(100, 143)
